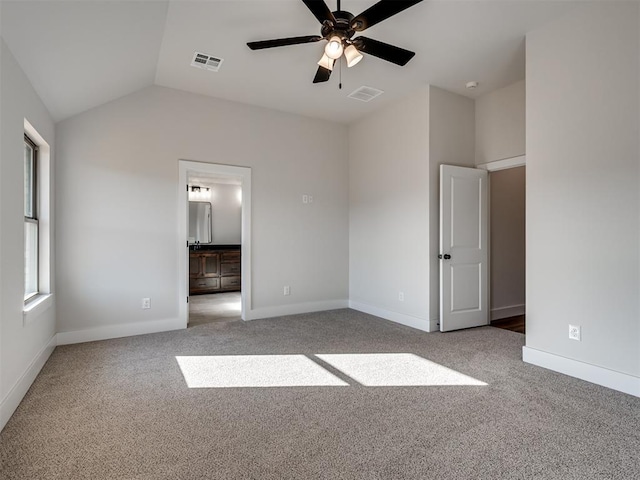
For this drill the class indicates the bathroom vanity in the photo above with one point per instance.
(214, 268)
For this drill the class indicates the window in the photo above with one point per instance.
(31, 224)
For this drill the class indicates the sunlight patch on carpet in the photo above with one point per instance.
(396, 369)
(229, 371)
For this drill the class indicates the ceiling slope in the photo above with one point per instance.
(78, 55)
(82, 54)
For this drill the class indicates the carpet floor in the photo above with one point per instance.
(122, 409)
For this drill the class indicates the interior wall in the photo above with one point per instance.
(394, 162)
(22, 346)
(118, 237)
(500, 124)
(451, 142)
(583, 205)
(507, 242)
(226, 212)
(389, 211)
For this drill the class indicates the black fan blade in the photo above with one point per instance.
(322, 75)
(320, 10)
(382, 50)
(379, 12)
(282, 42)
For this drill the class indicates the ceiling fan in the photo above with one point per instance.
(339, 27)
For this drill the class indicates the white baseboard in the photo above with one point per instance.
(408, 320)
(295, 309)
(621, 382)
(19, 390)
(118, 331)
(506, 312)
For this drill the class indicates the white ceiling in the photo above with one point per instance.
(79, 55)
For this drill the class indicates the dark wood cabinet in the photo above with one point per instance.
(212, 271)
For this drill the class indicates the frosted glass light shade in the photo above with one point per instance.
(326, 62)
(352, 55)
(334, 48)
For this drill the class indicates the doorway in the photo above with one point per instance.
(482, 245)
(508, 248)
(215, 212)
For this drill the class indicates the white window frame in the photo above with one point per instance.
(33, 218)
(43, 300)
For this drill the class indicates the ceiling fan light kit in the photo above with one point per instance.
(352, 56)
(326, 62)
(339, 27)
(334, 48)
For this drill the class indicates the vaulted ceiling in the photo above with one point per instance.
(79, 55)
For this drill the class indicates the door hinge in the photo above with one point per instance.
(187, 299)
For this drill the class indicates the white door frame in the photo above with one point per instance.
(513, 162)
(185, 167)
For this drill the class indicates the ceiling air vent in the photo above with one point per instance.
(365, 94)
(206, 62)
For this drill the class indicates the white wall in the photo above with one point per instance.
(394, 161)
(23, 347)
(507, 255)
(500, 124)
(226, 214)
(451, 142)
(583, 205)
(389, 211)
(117, 178)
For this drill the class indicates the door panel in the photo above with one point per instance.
(466, 297)
(211, 262)
(465, 225)
(464, 292)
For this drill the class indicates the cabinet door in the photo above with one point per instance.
(211, 264)
(204, 285)
(231, 283)
(230, 268)
(195, 265)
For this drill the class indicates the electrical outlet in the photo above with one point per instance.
(401, 296)
(310, 198)
(305, 198)
(574, 332)
(146, 303)
(287, 290)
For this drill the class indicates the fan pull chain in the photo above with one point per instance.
(340, 84)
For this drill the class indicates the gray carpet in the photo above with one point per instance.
(121, 409)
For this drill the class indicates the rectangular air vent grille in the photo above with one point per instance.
(206, 62)
(365, 94)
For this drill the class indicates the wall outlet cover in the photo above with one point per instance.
(146, 303)
(574, 332)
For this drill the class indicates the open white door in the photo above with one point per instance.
(464, 238)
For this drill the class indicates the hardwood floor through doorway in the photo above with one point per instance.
(214, 308)
(515, 324)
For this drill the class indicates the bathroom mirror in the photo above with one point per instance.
(199, 222)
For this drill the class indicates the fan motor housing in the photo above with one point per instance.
(342, 26)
